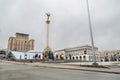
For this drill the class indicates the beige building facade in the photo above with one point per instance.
(20, 42)
(109, 55)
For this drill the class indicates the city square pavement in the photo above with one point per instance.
(115, 69)
(19, 71)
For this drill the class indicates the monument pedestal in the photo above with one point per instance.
(48, 54)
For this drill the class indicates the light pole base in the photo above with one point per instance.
(95, 64)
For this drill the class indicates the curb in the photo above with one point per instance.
(79, 69)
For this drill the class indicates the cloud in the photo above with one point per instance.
(69, 22)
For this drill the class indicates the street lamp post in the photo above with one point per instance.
(91, 34)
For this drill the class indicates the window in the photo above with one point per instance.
(80, 57)
(76, 58)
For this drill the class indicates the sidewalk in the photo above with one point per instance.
(65, 66)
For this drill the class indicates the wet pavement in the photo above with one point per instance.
(25, 72)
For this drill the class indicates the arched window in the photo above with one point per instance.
(56, 56)
(73, 58)
(80, 57)
(76, 58)
(66, 57)
(84, 57)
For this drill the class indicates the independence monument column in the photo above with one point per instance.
(47, 53)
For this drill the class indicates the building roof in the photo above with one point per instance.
(75, 48)
(22, 34)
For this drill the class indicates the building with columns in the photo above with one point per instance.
(20, 42)
(82, 53)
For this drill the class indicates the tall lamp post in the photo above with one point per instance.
(91, 34)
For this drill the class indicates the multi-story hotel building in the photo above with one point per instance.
(83, 53)
(20, 42)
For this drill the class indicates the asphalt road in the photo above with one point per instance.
(25, 72)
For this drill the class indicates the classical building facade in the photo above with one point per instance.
(109, 55)
(20, 42)
(83, 53)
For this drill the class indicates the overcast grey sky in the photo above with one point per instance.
(69, 22)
